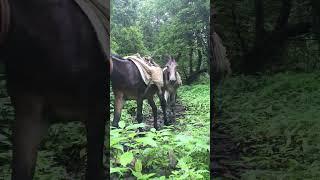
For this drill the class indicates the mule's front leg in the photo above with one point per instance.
(28, 130)
(172, 106)
(118, 104)
(163, 104)
(95, 136)
(154, 112)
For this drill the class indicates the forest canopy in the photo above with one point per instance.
(160, 28)
(269, 35)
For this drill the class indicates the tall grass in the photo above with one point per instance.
(276, 122)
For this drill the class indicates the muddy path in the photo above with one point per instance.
(148, 118)
(225, 153)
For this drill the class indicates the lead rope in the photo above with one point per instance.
(5, 20)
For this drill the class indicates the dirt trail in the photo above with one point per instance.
(225, 154)
(179, 110)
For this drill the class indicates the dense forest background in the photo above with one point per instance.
(269, 35)
(150, 27)
(267, 121)
(160, 28)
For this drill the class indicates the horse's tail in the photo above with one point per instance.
(221, 64)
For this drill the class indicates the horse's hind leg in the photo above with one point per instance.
(28, 130)
(154, 112)
(95, 125)
(173, 104)
(118, 103)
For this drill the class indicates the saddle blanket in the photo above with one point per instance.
(149, 70)
(97, 12)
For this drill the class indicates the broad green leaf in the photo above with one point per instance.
(122, 124)
(138, 166)
(135, 126)
(126, 158)
(118, 170)
(147, 141)
(118, 146)
(137, 174)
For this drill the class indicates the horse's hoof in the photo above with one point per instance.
(115, 125)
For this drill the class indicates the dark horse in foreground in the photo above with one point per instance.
(54, 66)
(127, 84)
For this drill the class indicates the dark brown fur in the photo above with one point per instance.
(127, 84)
(54, 67)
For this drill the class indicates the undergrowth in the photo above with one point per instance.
(275, 120)
(174, 152)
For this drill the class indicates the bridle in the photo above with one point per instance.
(4, 20)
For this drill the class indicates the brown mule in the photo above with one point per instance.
(127, 84)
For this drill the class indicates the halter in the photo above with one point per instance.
(4, 20)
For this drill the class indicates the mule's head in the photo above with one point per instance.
(172, 70)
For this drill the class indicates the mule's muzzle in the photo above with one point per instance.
(172, 81)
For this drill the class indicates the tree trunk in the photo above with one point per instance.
(210, 41)
(194, 76)
(199, 60)
(269, 47)
(260, 32)
(184, 70)
(178, 56)
(316, 20)
(237, 29)
(190, 61)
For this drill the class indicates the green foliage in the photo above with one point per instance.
(159, 28)
(275, 121)
(126, 35)
(124, 12)
(128, 41)
(59, 155)
(175, 152)
(235, 22)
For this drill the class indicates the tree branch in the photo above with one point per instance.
(194, 76)
(237, 28)
(259, 21)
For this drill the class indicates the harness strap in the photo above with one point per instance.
(4, 20)
(97, 12)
